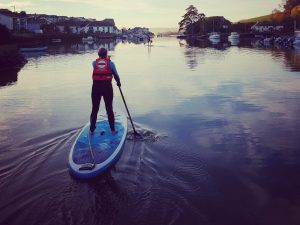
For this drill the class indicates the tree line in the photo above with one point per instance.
(195, 23)
(287, 12)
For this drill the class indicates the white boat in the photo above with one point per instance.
(215, 41)
(214, 36)
(234, 41)
(181, 36)
(296, 42)
(233, 35)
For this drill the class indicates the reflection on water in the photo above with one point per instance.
(222, 120)
(80, 47)
(291, 56)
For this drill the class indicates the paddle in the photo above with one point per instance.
(135, 133)
(89, 166)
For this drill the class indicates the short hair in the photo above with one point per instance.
(102, 53)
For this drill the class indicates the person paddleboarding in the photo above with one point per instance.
(104, 71)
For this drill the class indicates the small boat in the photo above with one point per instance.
(181, 36)
(214, 36)
(34, 49)
(233, 35)
(297, 39)
(215, 41)
(234, 41)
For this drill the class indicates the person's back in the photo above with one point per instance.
(103, 72)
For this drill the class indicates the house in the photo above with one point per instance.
(52, 23)
(73, 26)
(34, 25)
(6, 18)
(104, 26)
(266, 27)
(13, 21)
(77, 26)
(217, 24)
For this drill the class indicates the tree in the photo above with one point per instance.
(288, 15)
(289, 5)
(295, 13)
(278, 16)
(190, 19)
(23, 14)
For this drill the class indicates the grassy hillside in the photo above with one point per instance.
(257, 19)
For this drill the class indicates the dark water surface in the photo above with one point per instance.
(221, 123)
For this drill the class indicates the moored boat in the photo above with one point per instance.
(214, 36)
(233, 35)
(181, 36)
(34, 49)
(297, 39)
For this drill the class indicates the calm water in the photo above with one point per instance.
(224, 132)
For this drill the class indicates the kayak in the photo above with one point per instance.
(92, 154)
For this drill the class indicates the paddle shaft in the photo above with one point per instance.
(127, 110)
(91, 150)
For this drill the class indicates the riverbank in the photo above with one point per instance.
(10, 56)
(55, 37)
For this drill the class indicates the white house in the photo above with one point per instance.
(73, 27)
(265, 27)
(13, 21)
(7, 18)
(104, 26)
(76, 27)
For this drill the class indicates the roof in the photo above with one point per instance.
(9, 13)
(106, 22)
(72, 23)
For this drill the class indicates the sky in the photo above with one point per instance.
(144, 13)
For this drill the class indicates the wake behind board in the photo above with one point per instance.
(91, 155)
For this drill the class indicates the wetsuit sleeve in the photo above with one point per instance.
(114, 70)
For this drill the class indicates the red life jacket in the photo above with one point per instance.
(102, 69)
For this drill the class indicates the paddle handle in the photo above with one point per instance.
(127, 110)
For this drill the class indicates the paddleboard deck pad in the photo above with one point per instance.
(92, 154)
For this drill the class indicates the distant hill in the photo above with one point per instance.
(256, 19)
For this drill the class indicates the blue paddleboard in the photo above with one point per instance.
(91, 155)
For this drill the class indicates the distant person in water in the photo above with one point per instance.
(104, 71)
(149, 40)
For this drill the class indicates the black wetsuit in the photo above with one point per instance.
(103, 88)
(99, 89)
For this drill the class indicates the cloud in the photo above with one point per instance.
(19, 5)
(118, 5)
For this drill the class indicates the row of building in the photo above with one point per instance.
(39, 23)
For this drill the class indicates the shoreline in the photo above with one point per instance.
(10, 56)
(48, 38)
